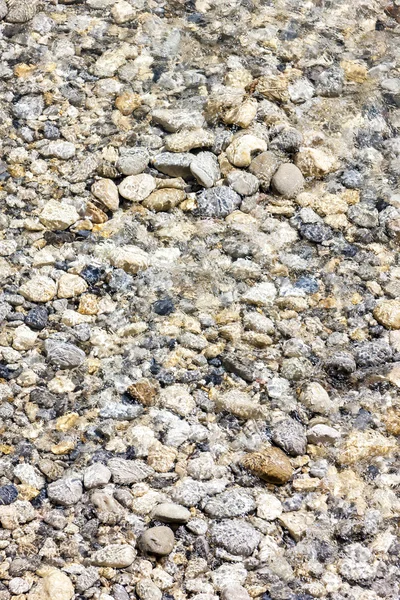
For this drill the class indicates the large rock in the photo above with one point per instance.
(55, 585)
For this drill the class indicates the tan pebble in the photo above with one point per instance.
(144, 391)
(242, 115)
(314, 162)
(360, 445)
(164, 199)
(106, 191)
(354, 71)
(88, 305)
(38, 289)
(240, 151)
(128, 102)
(392, 421)
(67, 421)
(387, 313)
(63, 447)
(95, 214)
(162, 458)
(70, 286)
(270, 464)
(184, 141)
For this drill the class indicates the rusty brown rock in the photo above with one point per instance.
(270, 464)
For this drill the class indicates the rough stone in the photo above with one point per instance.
(270, 464)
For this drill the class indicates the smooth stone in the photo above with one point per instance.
(133, 161)
(184, 141)
(164, 199)
(158, 540)
(240, 151)
(137, 187)
(231, 503)
(316, 398)
(205, 168)
(66, 492)
(270, 464)
(288, 180)
(174, 164)
(96, 475)
(173, 120)
(63, 354)
(106, 191)
(116, 556)
(387, 313)
(168, 512)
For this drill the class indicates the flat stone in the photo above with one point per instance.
(106, 191)
(167, 512)
(232, 503)
(297, 523)
(178, 399)
(58, 149)
(205, 168)
(235, 536)
(288, 180)
(322, 434)
(28, 107)
(137, 187)
(163, 200)
(242, 115)
(158, 540)
(29, 475)
(65, 492)
(129, 471)
(175, 119)
(133, 161)
(218, 202)
(261, 294)
(175, 164)
(235, 591)
(58, 215)
(240, 151)
(184, 141)
(116, 556)
(268, 506)
(63, 354)
(270, 464)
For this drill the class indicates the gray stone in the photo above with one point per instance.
(173, 120)
(29, 475)
(87, 579)
(168, 512)
(205, 168)
(243, 183)
(21, 11)
(146, 589)
(290, 436)
(128, 471)
(29, 107)
(121, 412)
(175, 164)
(133, 161)
(63, 355)
(322, 434)
(288, 180)
(117, 556)
(158, 540)
(96, 475)
(363, 215)
(65, 492)
(58, 149)
(235, 536)
(235, 591)
(232, 503)
(263, 167)
(3, 9)
(218, 202)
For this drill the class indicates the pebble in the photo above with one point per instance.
(96, 475)
(29, 107)
(130, 258)
(184, 141)
(237, 537)
(288, 180)
(147, 590)
(271, 464)
(234, 591)
(164, 200)
(8, 494)
(65, 492)
(55, 585)
(314, 162)
(38, 289)
(174, 120)
(58, 215)
(218, 202)
(240, 151)
(106, 191)
(174, 164)
(116, 556)
(205, 169)
(137, 187)
(58, 149)
(158, 540)
(243, 183)
(171, 513)
(70, 286)
(63, 355)
(133, 161)
(322, 434)
(268, 506)
(290, 436)
(128, 471)
(232, 503)
(317, 399)
(37, 318)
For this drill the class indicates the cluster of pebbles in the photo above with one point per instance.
(200, 299)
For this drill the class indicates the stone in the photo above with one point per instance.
(55, 585)
(128, 102)
(290, 436)
(58, 215)
(63, 354)
(37, 318)
(240, 404)
(18, 585)
(163, 200)
(178, 399)
(28, 107)
(116, 556)
(270, 464)
(300, 91)
(363, 215)
(314, 162)
(218, 202)
(130, 258)
(184, 141)
(297, 523)
(123, 12)
(268, 506)
(242, 115)
(261, 294)
(70, 286)
(174, 164)
(133, 161)
(263, 166)
(387, 313)
(317, 399)
(65, 492)
(8, 494)
(137, 187)
(243, 183)
(107, 64)
(322, 434)
(96, 475)
(235, 591)
(58, 149)
(232, 503)
(240, 151)
(288, 180)
(158, 540)
(237, 537)
(147, 590)
(29, 475)
(106, 191)
(128, 471)
(87, 579)
(205, 169)
(38, 289)
(24, 338)
(360, 445)
(173, 120)
(167, 512)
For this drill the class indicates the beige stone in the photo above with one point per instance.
(387, 313)
(106, 191)
(70, 286)
(127, 102)
(58, 215)
(164, 199)
(38, 289)
(270, 464)
(240, 151)
(243, 115)
(314, 162)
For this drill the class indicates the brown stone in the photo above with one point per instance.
(387, 313)
(164, 199)
(144, 391)
(271, 464)
(127, 102)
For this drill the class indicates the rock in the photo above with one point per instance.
(242, 115)
(360, 445)
(261, 294)
(270, 464)
(137, 187)
(38, 289)
(107, 64)
(28, 475)
(175, 119)
(300, 91)
(322, 434)
(58, 215)
(133, 161)
(37, 318)
(243, 183)
(18, 585)
(387, 313)
(290, 436)
(70, 286)
(239, 152)
(128, 471)
(240, 404)
(158, 540)
(205, 168)
(297, 523)
(116, 556)
(173, 164)
(218, 202)
(315, 398)
(130, 258)
(235, 591)
(164, 199)
(28, 107)
(8, 494)
(188, 140)
(87, 579)
(263, 167)
(24, 338)
(171, 513)
(147, 590)
(314, 162)
(65, 492)
(120, 412)
(178, 399)
(55, 585)
(58, 149)
(363, 215)
(237, 537)
(106, 191)
(64, 355)
(232, 503)
(268, 506)
(288, 180)
(96, 475)
(123, 12)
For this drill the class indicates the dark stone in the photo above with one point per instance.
(50, 131)
(315, 232)
(164, 307)
(8, 494)
(37, 318)
(308, 284)
(218, 202)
